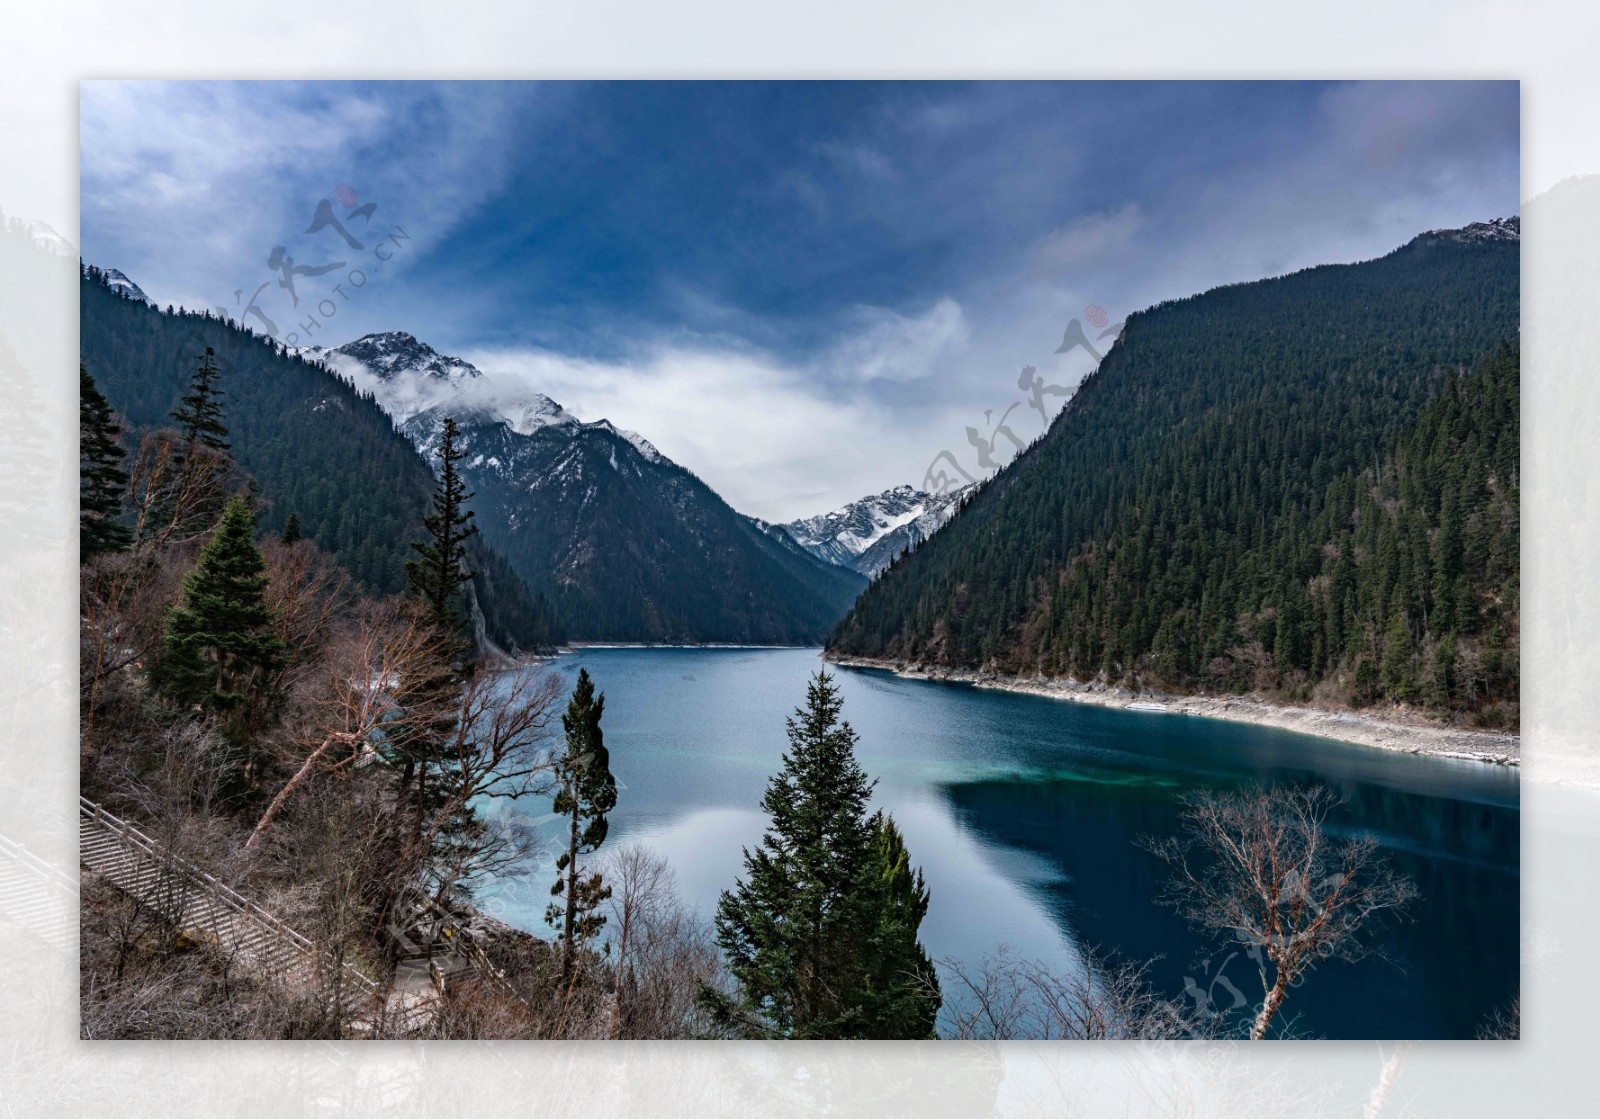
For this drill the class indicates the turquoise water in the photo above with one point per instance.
(1023, 812)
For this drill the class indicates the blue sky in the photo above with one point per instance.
(801, 291)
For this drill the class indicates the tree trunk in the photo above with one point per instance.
(283, 795)
(1269, 1008)
(572, 897)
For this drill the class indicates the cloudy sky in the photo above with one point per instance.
(803, 292)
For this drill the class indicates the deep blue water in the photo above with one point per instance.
(1023, 811)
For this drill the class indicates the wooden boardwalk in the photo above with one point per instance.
(199, 904)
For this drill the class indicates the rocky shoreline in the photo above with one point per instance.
(1399, 732)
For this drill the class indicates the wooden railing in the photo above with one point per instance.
(461, 941)
(215, 888)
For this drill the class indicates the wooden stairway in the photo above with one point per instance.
(200, 906)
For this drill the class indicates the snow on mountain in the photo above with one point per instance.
(118, 281)
(868, 534)
(538, 411)
(1497, 229)
(640, 444)
(409, 378)
(625, 544)
(394, 352)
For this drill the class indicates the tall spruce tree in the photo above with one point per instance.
(436, 575)
(820, 933)
(199, 416)
(902, 989)
(196, 496)
(585, 793)
(439, 569)
(291, 529)
(101, 479)
(218, 645)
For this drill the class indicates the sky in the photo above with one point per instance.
(803, 292)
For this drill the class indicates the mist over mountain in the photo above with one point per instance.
(318, 449)
(628, 545)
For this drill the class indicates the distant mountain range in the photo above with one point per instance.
(1269, 485)
(627, 545)
(868, 534)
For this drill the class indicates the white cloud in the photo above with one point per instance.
(889, 346)
(195, 182)
(1092, 242)
(760, 433)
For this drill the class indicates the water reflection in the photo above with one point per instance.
(1023, 812)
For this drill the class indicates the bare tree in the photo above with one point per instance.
(310, 598)
(175, 489)
(1257, 868)
(354, 698)
(662, 953)
(324, 869)
(1506, 1023)
(1007, 997)
(499, 748)
(642, 984)
(122, 600)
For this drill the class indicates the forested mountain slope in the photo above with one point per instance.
(317, 448)
(628, 545)
(632, 547)
(1304, 485)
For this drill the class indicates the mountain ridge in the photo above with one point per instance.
(869, 533)
(627, 544)
(1186, 509)
(320, 449)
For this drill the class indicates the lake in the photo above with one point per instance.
(1023, 811)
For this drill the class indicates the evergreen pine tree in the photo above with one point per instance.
(820, 933)
(1397, 655)
(438, 571)
(586, 792)
(902, 993)
(101, 478)
(200, 415)
(435, 576)
(291, 529)
(218, 643)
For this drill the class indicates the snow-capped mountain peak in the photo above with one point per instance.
(1477, 233)
(118, 281)
(417, 386)
(406, 375)
(869, 533)
(391, 353)
(640, 444)
(538, 411)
